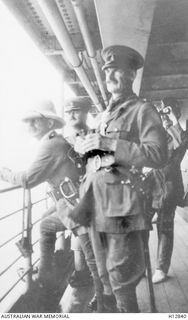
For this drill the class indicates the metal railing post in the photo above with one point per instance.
(28, 259)
(24, 244)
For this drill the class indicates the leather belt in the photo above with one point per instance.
(67, 190)
(97, 162)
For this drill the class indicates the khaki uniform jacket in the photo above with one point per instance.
(51, 165)
(141, 141)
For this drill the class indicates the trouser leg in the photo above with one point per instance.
(48, 228)
(125, 265)
(165, 230)
(99, 250)
(90, 259)
(79, 260)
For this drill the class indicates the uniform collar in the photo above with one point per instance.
(113, 104)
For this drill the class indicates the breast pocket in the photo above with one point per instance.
(116, 198)
(119, 130)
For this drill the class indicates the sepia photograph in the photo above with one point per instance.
(93, 159)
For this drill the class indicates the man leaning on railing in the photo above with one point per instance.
(54, 163)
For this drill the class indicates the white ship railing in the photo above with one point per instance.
(29, 264)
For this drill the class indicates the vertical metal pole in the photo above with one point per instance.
(153, 308)
(80, 15)
(29, 238)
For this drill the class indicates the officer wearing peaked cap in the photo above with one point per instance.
(76, 112)
(122, 57)
(129, 135)
(78, 103)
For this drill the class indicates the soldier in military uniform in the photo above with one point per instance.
(130, 136)
(168, 187)
(76, 112)
(53, 163)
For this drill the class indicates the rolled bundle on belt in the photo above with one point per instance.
(97, 162)
(83, 210)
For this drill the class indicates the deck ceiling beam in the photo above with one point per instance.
(179, 93)
(171, 52)
(166, 59)
(165, 82)
(166, 71)
(163, 68)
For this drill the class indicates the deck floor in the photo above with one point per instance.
(171, 296)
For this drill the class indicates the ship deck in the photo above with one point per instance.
(171, 296)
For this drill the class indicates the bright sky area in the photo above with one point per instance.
(25, 76)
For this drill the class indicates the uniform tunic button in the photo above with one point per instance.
(116, 129)
(122, 182)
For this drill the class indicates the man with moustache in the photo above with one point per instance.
(76, 112)
(129, 136)
(54, 161)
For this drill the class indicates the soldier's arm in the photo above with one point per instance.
(178, 149)
(39, 171)
(151, 150)
(177, 134)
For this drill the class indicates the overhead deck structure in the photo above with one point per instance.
(72, 33)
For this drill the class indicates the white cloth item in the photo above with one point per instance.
(158, 276)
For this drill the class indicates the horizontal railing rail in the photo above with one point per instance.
(11, 239)
(10, 265)
(27, 274)
(10, 214)
(10, 189)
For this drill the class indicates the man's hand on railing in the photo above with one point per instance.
(5, 174)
